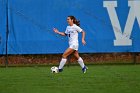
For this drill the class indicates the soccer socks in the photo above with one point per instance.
(62, 63)
(80, 61)
(84, 68)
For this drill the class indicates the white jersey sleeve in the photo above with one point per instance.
(78, 29)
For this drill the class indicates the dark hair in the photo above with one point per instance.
(75, 21)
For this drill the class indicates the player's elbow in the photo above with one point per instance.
(83, 32)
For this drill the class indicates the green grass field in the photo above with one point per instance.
(98, 79)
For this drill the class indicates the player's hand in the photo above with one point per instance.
(83, 42)
(55, 30)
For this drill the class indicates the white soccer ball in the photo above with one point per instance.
(54, 69)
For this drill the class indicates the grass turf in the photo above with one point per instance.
(98, 79)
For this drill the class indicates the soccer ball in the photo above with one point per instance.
(54, 69)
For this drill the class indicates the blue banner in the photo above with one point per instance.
(110, 26)
(2, 26)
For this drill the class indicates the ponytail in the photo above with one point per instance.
(75, 21)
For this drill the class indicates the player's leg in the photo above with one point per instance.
(64, 58)
(80, 61)
(67, 52)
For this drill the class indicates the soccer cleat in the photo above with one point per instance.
(84, 69)
(60, 70)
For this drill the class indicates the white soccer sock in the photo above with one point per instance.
(62, 63)
(80, 61)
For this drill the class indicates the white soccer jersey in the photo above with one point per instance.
(72, 32)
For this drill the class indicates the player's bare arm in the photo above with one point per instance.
(83, 37)
(58, 32)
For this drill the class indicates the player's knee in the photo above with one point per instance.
(76, 55)
(64, 56)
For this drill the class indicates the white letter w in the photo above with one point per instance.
(123, 37)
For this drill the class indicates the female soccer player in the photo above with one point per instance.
(72, 33)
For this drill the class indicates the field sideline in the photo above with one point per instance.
(98, 79)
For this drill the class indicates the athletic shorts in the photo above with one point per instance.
(75, 47)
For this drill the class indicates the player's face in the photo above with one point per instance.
(70, 22)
